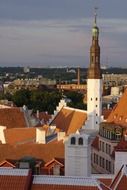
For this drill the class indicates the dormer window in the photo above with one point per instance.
(73, 140)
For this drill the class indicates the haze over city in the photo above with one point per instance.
(58, 32)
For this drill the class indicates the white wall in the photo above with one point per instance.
(2, 136)
(77, 157)
(40, 136)
(120, 159)
(94, 102)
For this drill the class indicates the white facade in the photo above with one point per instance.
(40, 136)
(94, 103)
(120, 160)
(78, 156)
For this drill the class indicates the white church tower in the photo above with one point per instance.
(94, 82)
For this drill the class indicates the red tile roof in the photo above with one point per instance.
(12, 118)
(61, 187)
(14, 179)
(121, 146)
(106, 113)
(45, 152)
(69, 120)
(119, 113)
(20, 135)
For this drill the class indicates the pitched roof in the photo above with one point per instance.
(20, 135)
(120, 180)
(59, 182)
(17, 179)
(119, 113)
(12, 118)
(45, 152)
(69, 120)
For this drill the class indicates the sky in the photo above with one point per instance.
(57, 33)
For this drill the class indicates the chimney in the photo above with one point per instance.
(78, 76)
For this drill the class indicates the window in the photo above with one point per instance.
(96, 99)
(73, 140)
(80, 141)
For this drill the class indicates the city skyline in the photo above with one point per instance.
(58, 33)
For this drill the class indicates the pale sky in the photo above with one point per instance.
(43, 33)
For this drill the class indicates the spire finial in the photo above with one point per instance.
(95, 15)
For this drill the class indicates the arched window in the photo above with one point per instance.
(73, 140)
(80, 141)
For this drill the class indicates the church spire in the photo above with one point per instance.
(94, 71)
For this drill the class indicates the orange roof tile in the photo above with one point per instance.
(45, 152)
(14, 179)
(12, 118)
(69, 120)
(20, 135)
(106, 113)
(119, 113)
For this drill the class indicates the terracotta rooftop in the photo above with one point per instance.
(119, 113)
(43, 116)
(69, 120)
(106, 113)
(12, 118)
(20, 135)
(120, 181)
(14, 179)
(121, 146)
(45, 152)
(95, 143)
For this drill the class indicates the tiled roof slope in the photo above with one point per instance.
(14, 179)
(12, 118)
(62, 183)
(45, 152)
(69, 120)
(120, 181)
(119, 113)
(20, 135)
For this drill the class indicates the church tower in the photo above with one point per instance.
(94, 81)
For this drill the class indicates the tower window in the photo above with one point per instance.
(80, 141)
(96, 106)
(73, 140)
(91, 99)
(96, 99)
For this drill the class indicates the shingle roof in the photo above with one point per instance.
(119, 113)
(12, 118)
(69, 120)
